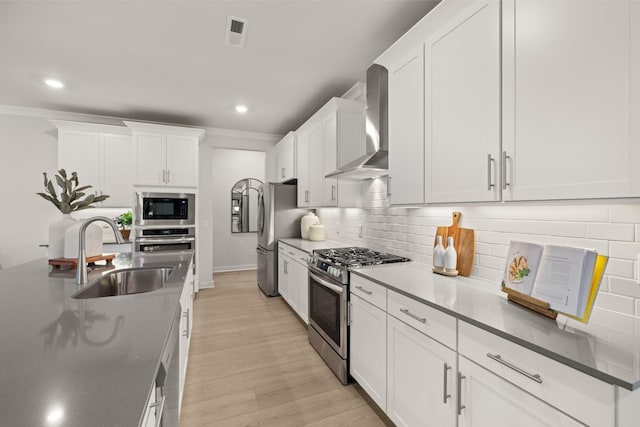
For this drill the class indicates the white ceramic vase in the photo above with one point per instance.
(450, 255)
(57, 229)
(438, 253)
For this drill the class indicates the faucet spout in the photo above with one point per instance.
(81, 270)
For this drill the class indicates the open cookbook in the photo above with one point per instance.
(567, 278)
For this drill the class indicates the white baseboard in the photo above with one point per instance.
(234, 268)
(205, 284)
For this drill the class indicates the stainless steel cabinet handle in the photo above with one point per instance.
(349, 319)
(333, 197)
(389, 186)
(460, 405)
(445, 395)
(159, 407)
(306, 196)
(410, 314)
(490, 161)
(364, 290)
(286, 269)
(186, 330)
(282, 173)
(505, 184)
(499, 359)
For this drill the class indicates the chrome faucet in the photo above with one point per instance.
(81, 271)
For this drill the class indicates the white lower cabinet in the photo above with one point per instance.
(421, 389)
(488, 400)
(186, 323)
(368, 349)
(293, 283)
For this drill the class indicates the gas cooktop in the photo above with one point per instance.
(357, 257)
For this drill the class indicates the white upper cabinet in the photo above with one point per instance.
(102, 157)
(302, 167)
(406, 130)
(286, 158)
(337, 123)
(462, 105)
(165, 155)
(571, 78)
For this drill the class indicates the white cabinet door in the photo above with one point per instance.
(420, 378)
(118, 170)
(151, 158)
(182, 160)
(283, 276)
(570, 125)
(299, 279)
(406, 130)
(316, 166)
(286, 158)
(302, 164)
(80, 152)
(488, 400)
(462, 106)
(330, 160)
(368, 349)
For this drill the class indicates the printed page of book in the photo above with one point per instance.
(523, 260)
(559, 278)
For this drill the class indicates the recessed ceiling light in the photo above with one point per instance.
(241, 109)
(53, 83)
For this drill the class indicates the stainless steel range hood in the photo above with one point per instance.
(374, 163)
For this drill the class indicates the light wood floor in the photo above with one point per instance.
(250, 364)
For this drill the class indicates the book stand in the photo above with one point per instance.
(529, 302)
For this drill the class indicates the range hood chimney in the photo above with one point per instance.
(374, 163)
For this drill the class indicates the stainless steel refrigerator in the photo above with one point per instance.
(278, 217)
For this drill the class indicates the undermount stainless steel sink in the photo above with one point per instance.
(126, 282)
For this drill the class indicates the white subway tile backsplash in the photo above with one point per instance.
(626, 287)
(610, 229)
(623, 232)
(624, 250)
(621, 268)
(617, 303)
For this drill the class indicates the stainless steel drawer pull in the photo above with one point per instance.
(364, 290)
(499, 359)
(410, 314)
(445, 395)
(460, 405)
(490, 161)
(159, 407)
(505, 183)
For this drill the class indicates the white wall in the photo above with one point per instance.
(232, 251)
(610, 227)
(28, 147)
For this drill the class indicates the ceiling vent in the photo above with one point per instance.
(236, 31)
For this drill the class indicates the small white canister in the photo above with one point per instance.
(317, 233)
(307, 221)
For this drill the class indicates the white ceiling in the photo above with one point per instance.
(167, 61)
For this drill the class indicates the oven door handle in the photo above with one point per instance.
(166, 240)
(326, 284)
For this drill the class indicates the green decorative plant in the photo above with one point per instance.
(124, 220)
(71, 195)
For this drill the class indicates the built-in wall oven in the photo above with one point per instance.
(165, 239)
(164, 209)
(329, 301)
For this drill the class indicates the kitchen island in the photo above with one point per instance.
(82, 362)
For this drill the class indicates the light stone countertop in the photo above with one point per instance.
(608, 347)
(309, 246)
(84, 362)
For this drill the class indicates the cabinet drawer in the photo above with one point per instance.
(434, 323)
(369, 291)
(296, 254)
(580, 395)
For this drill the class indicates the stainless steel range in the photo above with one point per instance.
(329, 299)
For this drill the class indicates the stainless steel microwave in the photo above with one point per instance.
(165, 209)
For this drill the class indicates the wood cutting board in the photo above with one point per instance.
(464, 240)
